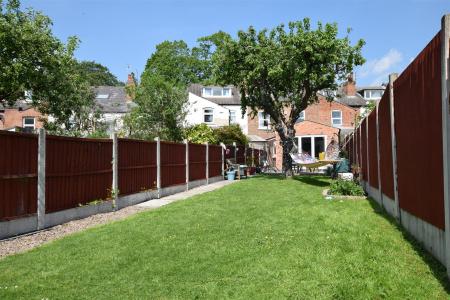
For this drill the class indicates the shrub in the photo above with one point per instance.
(346, 188)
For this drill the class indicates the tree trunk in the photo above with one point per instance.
(286, 140)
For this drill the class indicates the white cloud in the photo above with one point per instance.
(377, 70)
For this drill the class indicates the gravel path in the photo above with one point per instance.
(26, 242)
(29, 241)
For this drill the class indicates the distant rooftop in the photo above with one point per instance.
(112, 99)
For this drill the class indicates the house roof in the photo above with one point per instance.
(19, 104)
(353, 101)
(234, 99)
(255, 138)
(112, 99)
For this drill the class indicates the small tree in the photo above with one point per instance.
(280, 71)
(160, 110)
(230, 134)
(200, 134)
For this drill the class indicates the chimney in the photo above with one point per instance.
(349, 87)
(130, 87)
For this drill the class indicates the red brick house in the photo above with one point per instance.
(317, 126)
(20, 116)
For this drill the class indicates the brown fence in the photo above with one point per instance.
(240, 154)
(363, 136)
(173, 163)
(385, 142)
(137, 166)
(418, 129)
(214, 160)
(197, 162)
(78, 171)
(18, 174)
(409, 150)
(372, 148)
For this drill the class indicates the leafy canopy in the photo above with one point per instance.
(281, 71)
(160, 110)
(97, 74)
(32, 59)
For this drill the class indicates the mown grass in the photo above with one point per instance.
(258, 238)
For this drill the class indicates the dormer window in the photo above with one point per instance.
(102, 96)
(216, 92)
(373, 94)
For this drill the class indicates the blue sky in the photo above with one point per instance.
(120, 33)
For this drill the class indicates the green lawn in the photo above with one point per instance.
(258, 238)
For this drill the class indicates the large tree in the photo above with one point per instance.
(33, 60)
(97, 74)
(281, 71)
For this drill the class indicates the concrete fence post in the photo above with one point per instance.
(207, 162)
(187, 163)
(235, 152)
(379, 158)
(392, 78)
(445, 90)
(115, 170)
(41, 180)
(223, 158)
(367, 152)
(158, 166)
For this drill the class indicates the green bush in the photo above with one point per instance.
(346, 188)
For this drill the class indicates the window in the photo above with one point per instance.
(336, 117)
(301, 117)
(263, 120)
(232, 116)
(102, 96)
(312, 145)
(208, 115)
(373, 94)
(28, 123)
(216, 92)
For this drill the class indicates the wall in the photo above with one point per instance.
(14, 118)
(195, 115)
(320, 112)
(241, 120)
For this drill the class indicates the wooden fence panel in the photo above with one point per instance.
(78, 171)
(363, 138)
(373, 149)
(137, 166)
(418, 129)
(384, 119)
(173, 163)
(18, 175)
(215, 160)
(197, 162)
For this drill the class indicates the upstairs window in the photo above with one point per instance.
(28, 124)
(263, 120)
(336, 117)
(216, 92)
(232, 116)
(208, 115)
